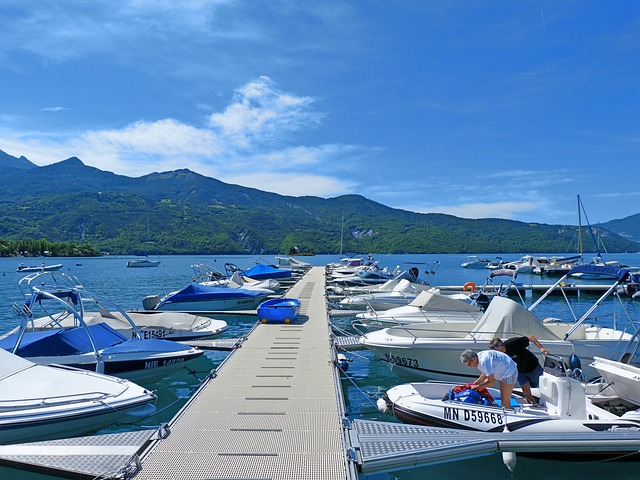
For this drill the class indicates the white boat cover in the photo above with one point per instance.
(432, 301)
(507, 318)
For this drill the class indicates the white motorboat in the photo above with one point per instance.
(564, 407)
(22, 268)
(473, 261)
(403, 293)
(526, 264)
(97, 347)
(622, 378)
(292, 263)
(39, 402)
(142, 262)
(178, 326)
(429, 308)
(197, 297)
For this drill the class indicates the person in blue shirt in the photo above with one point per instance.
(493, 365)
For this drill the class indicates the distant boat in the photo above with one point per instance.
(39, 268)
(142, 262)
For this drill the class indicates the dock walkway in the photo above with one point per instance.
(271, 412)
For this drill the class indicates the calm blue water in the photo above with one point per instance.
(367, 377)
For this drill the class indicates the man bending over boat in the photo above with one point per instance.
(494, 366)
(529, 368)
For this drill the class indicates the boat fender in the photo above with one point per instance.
(342, 362)
(469, 287)
(509, 459)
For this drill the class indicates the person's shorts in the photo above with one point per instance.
(532, 377)
(511, 380)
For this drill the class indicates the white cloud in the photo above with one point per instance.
(507, 210)
(262, 113)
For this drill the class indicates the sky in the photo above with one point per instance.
(496, 109)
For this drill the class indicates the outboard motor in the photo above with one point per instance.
(576, 367)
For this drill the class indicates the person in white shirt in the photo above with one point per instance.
(493, 365)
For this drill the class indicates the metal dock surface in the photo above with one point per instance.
(271, 412)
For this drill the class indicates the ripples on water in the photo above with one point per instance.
(367, 377)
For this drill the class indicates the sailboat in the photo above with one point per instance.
(144, 261)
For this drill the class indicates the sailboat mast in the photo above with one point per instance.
(341, 234)
(580, 229)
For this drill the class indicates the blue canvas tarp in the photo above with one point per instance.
(616, 272)
(195, 292)
(61, 342)
(263, 272)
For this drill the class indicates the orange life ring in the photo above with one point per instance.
(469, 287)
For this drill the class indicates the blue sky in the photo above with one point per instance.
(477, 109)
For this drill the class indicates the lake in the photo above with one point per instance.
(366, 379)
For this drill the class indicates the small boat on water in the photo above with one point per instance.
(39, 402)
(142, 263)
(38, 268)
(197, 297)
(565, 405)
(97, 346)
(473, 261)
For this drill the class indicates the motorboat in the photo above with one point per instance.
(526, 264)
(420, 352)
(557, 266)
(38, 268)
(147, 324)
(432, 306)
(197, 297)
(292, 263)
(619, 375)
(260, 271)
(373, 275)
(623, 379)
(473, 261)
(39, 402)
(97, 347)
(142, 262)
(428, 308)
(565, 405)
(177, 326)
(402, 293)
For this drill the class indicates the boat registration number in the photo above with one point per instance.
(404, 361)
(468, 415)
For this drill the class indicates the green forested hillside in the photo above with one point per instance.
(188, 213)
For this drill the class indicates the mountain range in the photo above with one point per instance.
(183, 212)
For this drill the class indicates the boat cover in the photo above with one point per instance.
(506, 318)
(611, 271)
(432, 301)
(64, 341)
(195, 292)
(149, 345)
(262, 271)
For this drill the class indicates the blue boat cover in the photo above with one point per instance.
(150, 345)
(263, 272)
(62, 342)
(195, 292)
(620, 273)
